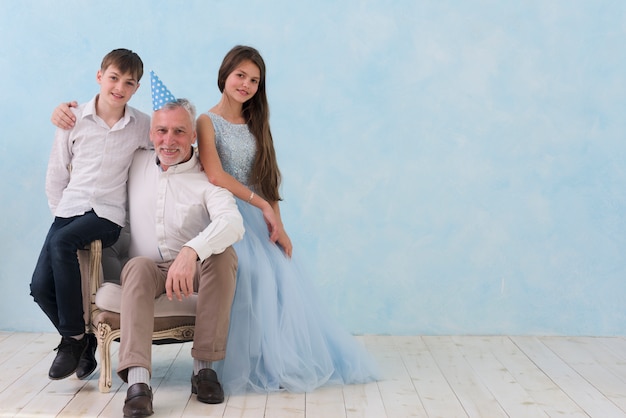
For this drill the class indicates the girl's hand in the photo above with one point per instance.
(63, 117)
(284, 241)
(282, 238)
(271, 222)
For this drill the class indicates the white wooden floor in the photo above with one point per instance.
(425, 376)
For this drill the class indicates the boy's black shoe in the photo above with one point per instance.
(87, 363)
(68, 355)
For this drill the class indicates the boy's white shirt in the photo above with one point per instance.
(88, 165)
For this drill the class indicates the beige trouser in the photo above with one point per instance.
(143, 280)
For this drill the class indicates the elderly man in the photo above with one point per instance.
(182, 231)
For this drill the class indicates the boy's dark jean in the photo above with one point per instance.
(56, 283)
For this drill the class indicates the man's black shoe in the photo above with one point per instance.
(207, 387)
(68, 355)
(138, 402)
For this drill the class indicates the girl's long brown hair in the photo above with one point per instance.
(265, 172)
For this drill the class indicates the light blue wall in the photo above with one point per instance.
(449, 166)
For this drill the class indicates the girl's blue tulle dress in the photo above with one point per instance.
(278, 339)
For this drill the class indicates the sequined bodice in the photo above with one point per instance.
(236, 147)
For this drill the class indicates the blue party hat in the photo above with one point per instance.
(160, 94)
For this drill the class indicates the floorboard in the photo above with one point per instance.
(421, 376)
(593, 402)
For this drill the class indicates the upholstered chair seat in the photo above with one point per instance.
(174, 320)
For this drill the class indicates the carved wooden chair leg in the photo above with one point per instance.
(105, 338)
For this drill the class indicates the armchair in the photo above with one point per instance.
(173, 323)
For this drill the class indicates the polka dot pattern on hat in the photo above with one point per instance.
(160, 94)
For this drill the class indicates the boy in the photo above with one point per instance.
(86, 189)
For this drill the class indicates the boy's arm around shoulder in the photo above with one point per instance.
(226, 227)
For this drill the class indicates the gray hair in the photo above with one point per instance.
(185, 104)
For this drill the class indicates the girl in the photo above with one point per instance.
(278, 338)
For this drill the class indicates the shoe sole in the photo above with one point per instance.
(66, 376)
(194, 390)
(62, 377)
(139, 415)
(88, 374)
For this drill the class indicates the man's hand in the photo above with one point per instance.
(181, 274)
(63, 117)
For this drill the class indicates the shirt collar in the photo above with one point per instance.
(90, 110)
(182, 167)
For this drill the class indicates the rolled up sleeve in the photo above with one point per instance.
(225, 229)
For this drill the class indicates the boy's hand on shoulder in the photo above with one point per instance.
(62, 117)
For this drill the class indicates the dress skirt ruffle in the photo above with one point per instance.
(279, 338)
